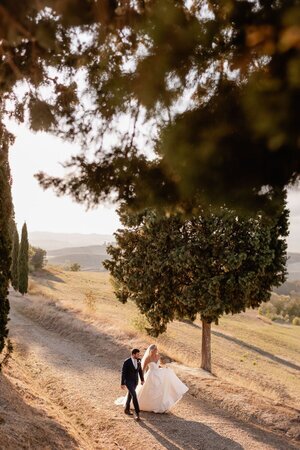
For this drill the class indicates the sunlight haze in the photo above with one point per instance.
(44, 211)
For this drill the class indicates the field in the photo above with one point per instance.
(247, 352)
(70, 336)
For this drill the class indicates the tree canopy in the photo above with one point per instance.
(37, 258)
(173, 99)
(212, 264)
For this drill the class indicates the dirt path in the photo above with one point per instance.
(79, 373)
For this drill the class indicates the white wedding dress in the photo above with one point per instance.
(161, 390)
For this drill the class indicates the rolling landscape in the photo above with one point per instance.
(70, 322)
(293, 266)
(167, 128)
(89, 250)
(54, 241)
(89, 258)
(64, 249)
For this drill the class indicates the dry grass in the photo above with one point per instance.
(24, 422)
(247, 351)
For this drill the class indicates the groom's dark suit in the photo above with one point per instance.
(130, 378)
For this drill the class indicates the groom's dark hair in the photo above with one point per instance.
(134, 351)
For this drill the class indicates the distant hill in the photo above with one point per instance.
(293, 266)
(90, 250)
(54, 241)
(92, 263)
(292, 285)
(89, 257)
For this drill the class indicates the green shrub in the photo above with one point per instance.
(75, 267)
(282, 308)
(296, 321)
(37, 258)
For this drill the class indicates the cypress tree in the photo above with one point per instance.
(23, 261)
(6, 211)
(214, 264)
(15, 263)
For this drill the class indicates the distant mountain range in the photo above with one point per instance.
(54, 241)
(63, 249)
(293, 266)
(90, 258)
(89, 250)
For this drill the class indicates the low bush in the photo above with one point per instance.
(281, 308)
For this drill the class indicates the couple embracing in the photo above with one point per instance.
(159, 388)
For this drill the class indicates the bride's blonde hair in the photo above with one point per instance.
(151, 348)
(148, 353)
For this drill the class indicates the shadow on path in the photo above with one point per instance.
(188, 435)
(177, 433)
(70, 338)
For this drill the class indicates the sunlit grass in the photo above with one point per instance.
(92, 294)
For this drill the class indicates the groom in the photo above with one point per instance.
(130, 376)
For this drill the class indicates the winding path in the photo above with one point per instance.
(80, 376)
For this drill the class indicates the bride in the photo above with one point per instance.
(162, 388)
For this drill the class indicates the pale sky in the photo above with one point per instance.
(44, 211)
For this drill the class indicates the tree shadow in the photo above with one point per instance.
(253, 348)
(187, 435)
(106, 352)
(45, 274)
(177, 433)
(63, 323)
(258, 350)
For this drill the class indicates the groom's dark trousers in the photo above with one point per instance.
(130, 378)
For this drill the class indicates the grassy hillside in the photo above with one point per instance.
(87, 262)
(87, 250)
(247, 351)
(90, 258)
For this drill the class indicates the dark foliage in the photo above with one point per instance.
(37, 257)
(6, 212)
(209, 88)
(15, 260)
(213, 264)
(23, 261)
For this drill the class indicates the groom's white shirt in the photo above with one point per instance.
(134, 361)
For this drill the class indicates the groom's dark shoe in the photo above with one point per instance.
(126, 411)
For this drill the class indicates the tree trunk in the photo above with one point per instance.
(206, 346)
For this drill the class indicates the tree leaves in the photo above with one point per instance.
(211, 89)
(212, 264)
(41, 113)
(6, 214)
